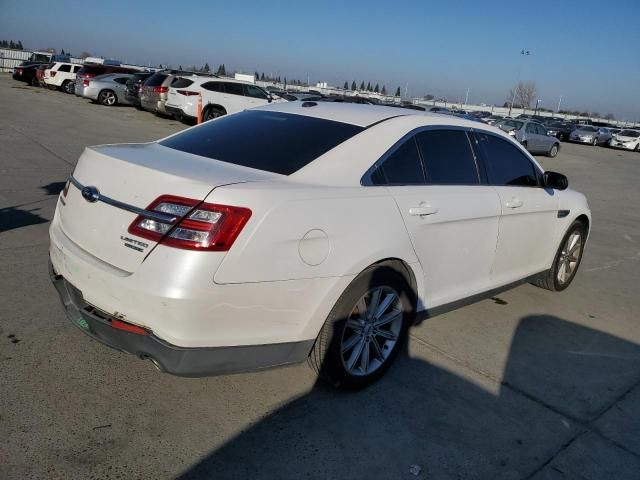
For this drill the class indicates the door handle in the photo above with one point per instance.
(514, 203)
(422, 210)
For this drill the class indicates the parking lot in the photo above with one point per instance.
(529, 384)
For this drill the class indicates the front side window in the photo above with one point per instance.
(402, 167)
(540, 130)
(64, 68)
(505, 163)
(255, 92)
(270, 141)
(121, 80)
(448, 158)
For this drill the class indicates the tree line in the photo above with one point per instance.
(369, 88)
(11, 44)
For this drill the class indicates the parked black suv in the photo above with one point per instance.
(132, 90)
(561, 130)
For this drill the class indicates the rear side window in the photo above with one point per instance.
(448, 158)
(505, 163)
(234, 88)
(121, 80)
(541, 130)
(76, 69)
(213, 86)
(270, 141)
(156, 79)
(64, 68)
(401, 167)
(180, 82)
(531, 128)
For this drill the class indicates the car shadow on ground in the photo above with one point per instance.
(16, 217)
(425, 419)
(53, 188)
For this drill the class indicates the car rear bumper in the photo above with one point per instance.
(181, 361)
(177, 112)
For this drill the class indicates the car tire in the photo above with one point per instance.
(211, 113)
(68, 87)
(595, 142)
(34, 82)
(352, 351)
(107, 98)
(553, 151)
(568, 256)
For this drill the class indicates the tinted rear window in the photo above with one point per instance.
(271, 141)
(92, 70)
(181, 83)
(156, 79)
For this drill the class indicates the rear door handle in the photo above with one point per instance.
(422, 210)
(514, 203)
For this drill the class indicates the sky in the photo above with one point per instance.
(586, 51)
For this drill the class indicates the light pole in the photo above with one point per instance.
(537, 103)
(466, 98)
(524, 53)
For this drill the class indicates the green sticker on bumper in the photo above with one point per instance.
(82, 323)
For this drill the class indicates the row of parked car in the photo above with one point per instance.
(176, 93)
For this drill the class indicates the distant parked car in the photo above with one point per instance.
(219, 97)
(481, 114)
(440, 110)
(108, 90)
(92, 71)
(132, 87)
(27, 73)
(560, 130)
(155, 90)
(532, 135)
(590, 134)
(492, 119)
(627, 139)
(302, 96)
(62, 75)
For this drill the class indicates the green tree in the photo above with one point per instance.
(256, 75)
(398, 92)
(11, 44)
(62, 52)
(384, 90)
(221, 70)
(376, 89)
(206, 68)
(368, 86)
(262, 77)
(180, 67)
(346, 85)
(362, 85)
(285, 83)
(19, 45)
(353, 85)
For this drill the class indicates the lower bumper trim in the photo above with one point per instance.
(181, 361)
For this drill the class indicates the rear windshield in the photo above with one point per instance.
(156, 79)
(92, 70)
(511, 125)
(181, 82)
(275, 142)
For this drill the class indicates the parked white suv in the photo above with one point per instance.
(62, 75)
(304, 230)
(219, 97)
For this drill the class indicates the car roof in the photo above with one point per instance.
(364, 115)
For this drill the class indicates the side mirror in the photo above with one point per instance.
(555, 180)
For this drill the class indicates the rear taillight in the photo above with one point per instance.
(19, 71)
(52, 73)
(197, 225)
(160, 89)
(85, 82)
(127, 327)
(187, 93)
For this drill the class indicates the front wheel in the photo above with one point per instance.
(594, 142)
(107, 98)
(211, 113)
(554, 151)
(69, 87)
(567, 259)
(365, 330)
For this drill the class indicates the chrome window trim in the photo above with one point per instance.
(161, 217)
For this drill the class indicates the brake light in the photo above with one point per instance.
(196, 226)
(19, 71)
(160, 89)
(52, 73)
(85, 82)
(187, 93)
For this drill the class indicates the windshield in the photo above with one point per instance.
(509, 125)
(630, 133)
(39, 57)
(275, 142)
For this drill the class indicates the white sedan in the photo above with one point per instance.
(304, 230)
(627, 139)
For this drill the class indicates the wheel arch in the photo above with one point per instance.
(108, 90)
(216, 106)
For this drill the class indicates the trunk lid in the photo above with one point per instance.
(136, 174)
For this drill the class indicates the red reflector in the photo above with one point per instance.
(187, 93)
(160, 89)
(85, 82)
(127, 327)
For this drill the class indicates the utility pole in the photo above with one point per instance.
(466, 98)
(559, 102)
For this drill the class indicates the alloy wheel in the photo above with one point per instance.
(569, 257)
(108, 98)
(371, 331)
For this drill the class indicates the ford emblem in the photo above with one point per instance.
(90, 194)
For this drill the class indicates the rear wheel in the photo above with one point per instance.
(108, 98)
(212, 112)
(365, 329)
(567, 259)
(68, 87)
(34, 82)
(554, 151)
(594, 142)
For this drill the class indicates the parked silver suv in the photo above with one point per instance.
(532, 135)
